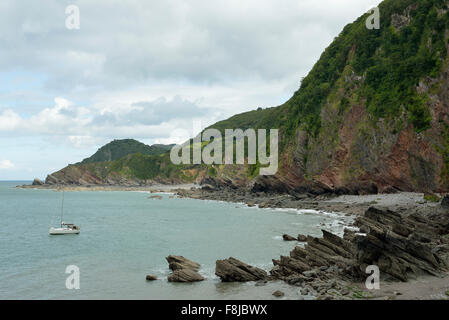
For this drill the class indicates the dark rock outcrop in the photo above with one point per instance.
(233, 270)
(150, 277)
(402, 246)
(37, 182)
(184, 270)
(179, 262)
(287, 237)
(278, 294)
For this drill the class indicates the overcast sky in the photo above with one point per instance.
(151, 70)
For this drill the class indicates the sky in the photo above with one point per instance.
(156, 71)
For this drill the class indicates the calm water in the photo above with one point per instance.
(125, 235)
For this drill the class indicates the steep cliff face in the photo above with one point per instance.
(371, 116)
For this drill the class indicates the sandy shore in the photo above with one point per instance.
(423, 288)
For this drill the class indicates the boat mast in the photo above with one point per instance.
(62, 206)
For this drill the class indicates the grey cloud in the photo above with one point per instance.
(153, 112)
(122, 44)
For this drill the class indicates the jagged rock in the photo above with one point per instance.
(302, 238)
(37, 182)
(150, 277)
(230, 270)
(185, 275)
(179, 262)
(286, 237)
(51, 180)
(400, 244)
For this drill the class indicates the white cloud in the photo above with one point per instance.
(83, 127)
(148, 69)
(6, 164)
(9, 120)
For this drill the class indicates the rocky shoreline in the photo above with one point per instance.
(404, 235)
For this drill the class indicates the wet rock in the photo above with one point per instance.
(179, 262)
(287, 237)
(185, 275)
(157, 197)
(233, 270)
(302, 238)
(278, 294)
(150, 277)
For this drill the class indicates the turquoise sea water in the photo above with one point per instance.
(125, 235)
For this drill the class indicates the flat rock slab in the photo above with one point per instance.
(185, 275)
(233, 270)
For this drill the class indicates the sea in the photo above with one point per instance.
(127, 235)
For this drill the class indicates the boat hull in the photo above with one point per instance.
(60, 231)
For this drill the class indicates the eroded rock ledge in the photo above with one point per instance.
(233, 270)
(403, 246)
(184, 270)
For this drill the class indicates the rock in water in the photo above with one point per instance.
(286, 237)
(445, 202)
(278, 294)
(302, 238)
(149, 277)
(38, 182)
(233, 270)
(179, 262)
(185, 275)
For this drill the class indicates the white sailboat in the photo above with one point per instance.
(65, 228)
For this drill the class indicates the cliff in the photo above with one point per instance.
(371, 116)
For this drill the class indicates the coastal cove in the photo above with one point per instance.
(126, 235)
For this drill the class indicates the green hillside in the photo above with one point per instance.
(118, 149)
